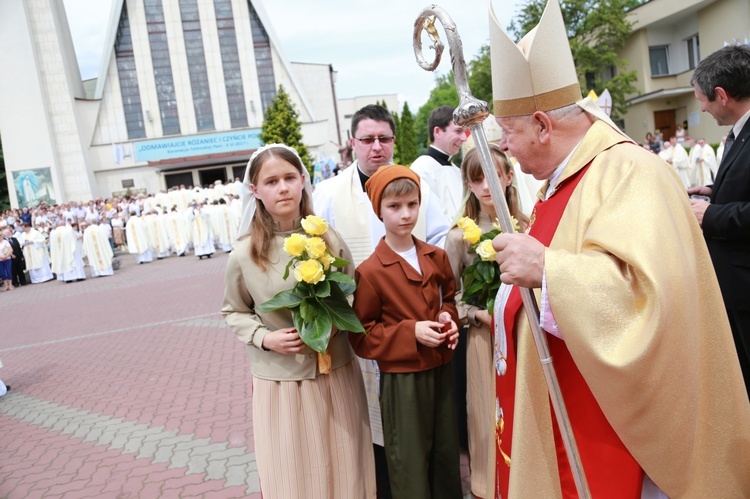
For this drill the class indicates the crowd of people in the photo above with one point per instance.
(43, 243)
(695, 161)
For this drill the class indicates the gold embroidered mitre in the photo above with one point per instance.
(538, 74)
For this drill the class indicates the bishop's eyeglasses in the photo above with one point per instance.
(368, 141)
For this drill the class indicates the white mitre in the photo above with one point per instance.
(538, 73)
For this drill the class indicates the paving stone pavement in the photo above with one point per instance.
(126, 386)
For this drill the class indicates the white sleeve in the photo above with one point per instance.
(437, 224)
(323, 204)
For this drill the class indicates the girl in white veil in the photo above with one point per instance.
(305, 421)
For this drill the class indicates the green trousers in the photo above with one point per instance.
(420, 432)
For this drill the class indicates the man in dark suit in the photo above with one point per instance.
(722, 85)
(19, 263)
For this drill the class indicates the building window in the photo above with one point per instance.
(157, 37)
(191, 29)
(131, 96)
(659, 57)
(230, 61)
(263, 59)
(694, 51)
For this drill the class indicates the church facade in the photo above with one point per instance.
(179, 99)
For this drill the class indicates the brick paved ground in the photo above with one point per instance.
(126, 386)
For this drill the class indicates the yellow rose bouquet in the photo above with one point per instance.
(318, 300)
(481, 279)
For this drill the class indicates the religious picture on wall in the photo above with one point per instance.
(34, 187)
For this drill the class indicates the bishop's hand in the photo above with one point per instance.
(521, 259)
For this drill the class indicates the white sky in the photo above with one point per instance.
(369, 44)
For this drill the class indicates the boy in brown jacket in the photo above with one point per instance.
(404, 299)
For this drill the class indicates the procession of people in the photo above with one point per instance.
(60, 241)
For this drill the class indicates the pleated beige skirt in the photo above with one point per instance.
(480, 410)
(312, 437)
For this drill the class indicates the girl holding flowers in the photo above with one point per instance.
(312, 433)
(464, 245)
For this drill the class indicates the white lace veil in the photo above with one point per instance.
(247, 197)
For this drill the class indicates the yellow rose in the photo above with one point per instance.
(315, 247)
(485, 250)
(295, 244)
(315, 226)
(464, 222)
(310, 271)
(472, 234)
(326, 261)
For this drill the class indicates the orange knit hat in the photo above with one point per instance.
(384, 176)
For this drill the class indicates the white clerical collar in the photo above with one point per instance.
(558, 171)
(737, 128)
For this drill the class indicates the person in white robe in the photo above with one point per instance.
(703, 161)
(65, 257)
(178, 231)
(35, 253)
(237, 187)
(98, 250)
(435, 166)
(221, 222)
(60, 254)
(675, 155)
(158, 239)
(720, 151)
(209, 209)
(137, 236)
(200, 228)
(235, 212)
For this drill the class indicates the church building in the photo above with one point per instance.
(179, 99)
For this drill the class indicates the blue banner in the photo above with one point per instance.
(197, 145)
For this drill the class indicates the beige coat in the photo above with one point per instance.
(247, 284)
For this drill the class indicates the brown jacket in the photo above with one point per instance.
(392, 297)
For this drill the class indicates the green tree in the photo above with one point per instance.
(396, 146)
(4, 195)
(444, 94)
(408, 137)
(596, 29)
(282, 125)
(479, 75)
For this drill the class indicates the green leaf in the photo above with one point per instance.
(474, 288)
(346, 284)
(485, 271)
(343, 316)
(288, 266)
(339, 263)
(322, 289)
(317, 333)
(297, 319)
(309, 307)
(284, 299)
(341, 277)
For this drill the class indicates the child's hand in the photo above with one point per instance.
(429, 333)
(450, 330)
(286, 341)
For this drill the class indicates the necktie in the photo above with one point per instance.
(729, 142)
